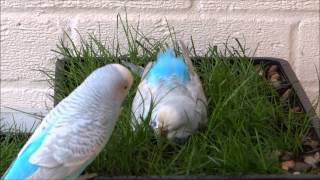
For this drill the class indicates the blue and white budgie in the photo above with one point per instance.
(76, 130)
(175, 90)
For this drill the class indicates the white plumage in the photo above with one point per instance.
(173, 90)
(76, 130)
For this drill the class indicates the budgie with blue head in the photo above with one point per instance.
(171, 90)
(74, 132)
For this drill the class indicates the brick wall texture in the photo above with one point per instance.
(30, 29)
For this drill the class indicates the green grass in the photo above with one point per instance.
(10, 145)
(247, 126)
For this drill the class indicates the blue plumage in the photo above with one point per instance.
(168, 66)
(22, 167)
(62, 146)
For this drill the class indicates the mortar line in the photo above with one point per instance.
(293, 42)
(190, 11)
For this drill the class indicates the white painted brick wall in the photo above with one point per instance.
(30, 29)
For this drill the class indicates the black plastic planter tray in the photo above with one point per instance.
(260, 177)
(291, 81)
(299, 99)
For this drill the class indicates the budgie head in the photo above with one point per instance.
(173, 120)
(110, 83)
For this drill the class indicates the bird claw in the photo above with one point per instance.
(87, 176)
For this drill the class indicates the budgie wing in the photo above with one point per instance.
(195, 87)
(146, 70)
(69, 145)
(52, 117)
(141, 103)
(56, 152)
(196, 90)
(21, 166)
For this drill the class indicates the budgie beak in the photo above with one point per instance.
(181, 140)
(163, 132)
(171, 130)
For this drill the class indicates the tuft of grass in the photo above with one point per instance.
(247, 125)
(10, 143)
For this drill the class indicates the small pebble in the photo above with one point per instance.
(296, 173)
(312, 159)
(273, 68)
(312, 143)
(301, 167)
(275, 77)
(286, 95)
(276, 84)
(270, 74)
(286, 165)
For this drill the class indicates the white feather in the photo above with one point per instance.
(80, 125)
(180, 109)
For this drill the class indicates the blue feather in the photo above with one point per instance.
(21, 167)
(168, 66)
